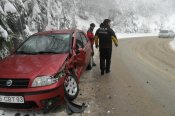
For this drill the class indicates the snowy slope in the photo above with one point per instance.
(21, 18)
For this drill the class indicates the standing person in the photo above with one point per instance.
(91, 36)
(105, 35)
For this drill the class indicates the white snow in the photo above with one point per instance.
(170, 23)
(84, 24)
(4, 52)
(1, 10)
(133, 35)
(172, 44)
(54, 9)
(8, 7)
(20, 2)
(3, 33)
(36, 9)
(27, 31)
(13, 113)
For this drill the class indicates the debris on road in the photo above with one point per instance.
(108, 112)
(109, 97)
(147, 82)
(74, 108)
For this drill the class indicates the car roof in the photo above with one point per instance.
(65, 31)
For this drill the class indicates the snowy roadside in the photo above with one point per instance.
(172, 44)
(132, 35)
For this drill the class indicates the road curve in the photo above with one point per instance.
(142, 79)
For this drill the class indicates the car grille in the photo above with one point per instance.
(26, 105)
(14, 83)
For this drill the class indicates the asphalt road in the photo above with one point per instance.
(141, 81)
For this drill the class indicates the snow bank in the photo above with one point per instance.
(172, 44)
(8, 7)
(3, 33)
(132, 35)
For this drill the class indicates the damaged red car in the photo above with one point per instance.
(44, 69)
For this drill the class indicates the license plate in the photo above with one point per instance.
(11, 99)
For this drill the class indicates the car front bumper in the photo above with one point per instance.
(39, 100)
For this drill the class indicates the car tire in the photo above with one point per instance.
(71, 87)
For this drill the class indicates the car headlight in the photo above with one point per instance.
(47, 80)
(43, 81)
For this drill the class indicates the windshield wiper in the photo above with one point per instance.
(24, 52)
(47, 52)
(34, 53)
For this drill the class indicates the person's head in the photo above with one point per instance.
(107, 22)
(92, 25)
(101, 25)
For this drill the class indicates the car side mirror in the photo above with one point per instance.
(78, 51)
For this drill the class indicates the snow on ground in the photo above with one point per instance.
(133, 35)
(172, 44)
(15, 113)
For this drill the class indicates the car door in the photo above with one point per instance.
(80, 53)
(80, 56)
(87, 48)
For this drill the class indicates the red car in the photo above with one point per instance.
(45, 68)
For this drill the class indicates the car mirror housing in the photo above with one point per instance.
(77, 51)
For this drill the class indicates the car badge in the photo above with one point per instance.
(9, 83)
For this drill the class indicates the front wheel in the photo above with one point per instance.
(71, 87)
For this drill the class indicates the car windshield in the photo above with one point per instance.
(41, 44)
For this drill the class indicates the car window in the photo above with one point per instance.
(85, 40)
(163, 31)
(53, 43)
(79, 42)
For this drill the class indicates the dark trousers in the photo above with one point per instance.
(105, 58)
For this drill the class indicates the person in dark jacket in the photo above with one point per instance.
(91, 36)
(104, 36)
